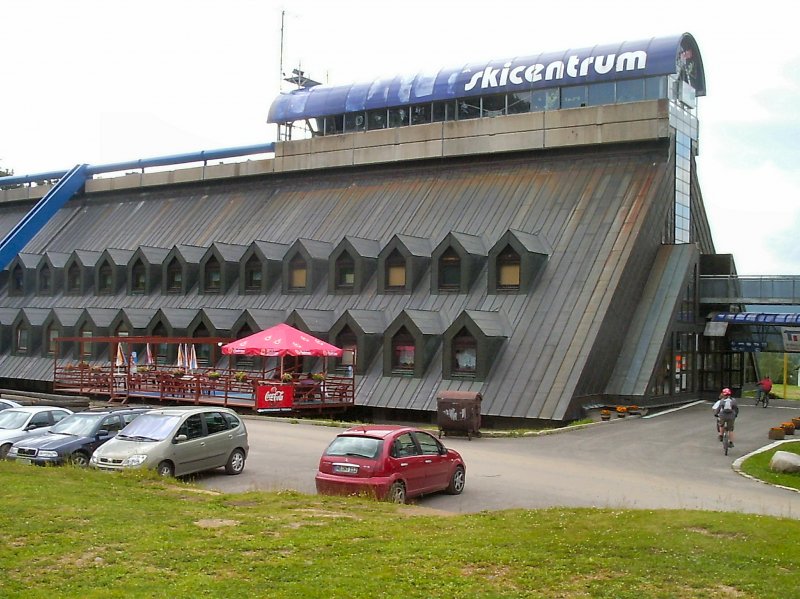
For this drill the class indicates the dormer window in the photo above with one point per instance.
(18, 280)
(45, 279)
(403, 352)
(52, 334)
(252, 274)
(465, 353)
(105, 279)
(450, 271)
(138, 278)
(347, 341)
(395, 272)
(213, 276)
(508, 269)
(87, 343)
(174, 277)
(23, 338)
(345, 271)
(74, 279)
(298, 273)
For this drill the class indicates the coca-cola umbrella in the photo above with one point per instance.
(279, 341)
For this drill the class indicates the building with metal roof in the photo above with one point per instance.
(531, 229)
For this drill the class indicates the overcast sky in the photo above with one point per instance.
(90, 81)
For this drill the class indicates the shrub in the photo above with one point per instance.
(318, 376)
(213, 374)
(287, 377)
(240, 376)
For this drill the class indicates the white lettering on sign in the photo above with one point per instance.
(274, 395)
(557, 70)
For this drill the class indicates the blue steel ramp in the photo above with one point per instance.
(44, 209)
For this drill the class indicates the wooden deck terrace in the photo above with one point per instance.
(209, 386)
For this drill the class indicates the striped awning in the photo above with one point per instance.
(758, 318)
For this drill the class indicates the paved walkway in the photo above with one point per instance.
(668, 461)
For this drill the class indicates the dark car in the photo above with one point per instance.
(75, 438)
(389, 462)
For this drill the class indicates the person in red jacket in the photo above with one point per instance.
(764, 387)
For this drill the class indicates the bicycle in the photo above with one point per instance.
(725, 439)
(762, 397)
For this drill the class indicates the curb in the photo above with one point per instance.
(737, 465)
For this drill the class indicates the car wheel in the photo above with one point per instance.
(4, 450)
(166, 469)
(397, 493)
(79, 459)
(457, 481)
(235, 463)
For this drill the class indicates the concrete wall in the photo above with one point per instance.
(615, 123)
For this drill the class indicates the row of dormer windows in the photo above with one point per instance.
(450, 274)
(464, 356)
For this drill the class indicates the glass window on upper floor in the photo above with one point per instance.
(655, 88)
(573, 97)
(630, 90)
(493, 105)
(469, 108)
(545, 99)
(354, 121)
(421, 114)
(376, 119)
(600, 93)
(519, 103)
(398, 117)
(334, 124)
(445, 111)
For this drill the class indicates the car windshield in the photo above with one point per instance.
(150, 427)
(12, 419)
(77, 424)
(364, 447)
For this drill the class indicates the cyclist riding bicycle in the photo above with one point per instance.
(764, 388)
(726, 409)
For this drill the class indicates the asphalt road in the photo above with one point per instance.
(667, 460)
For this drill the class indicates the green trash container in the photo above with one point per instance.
(459, 412)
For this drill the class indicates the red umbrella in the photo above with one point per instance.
(281, 340)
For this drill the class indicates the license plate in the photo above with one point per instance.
(345, 469)
(24, 461)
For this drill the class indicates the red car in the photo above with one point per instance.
(389, 462)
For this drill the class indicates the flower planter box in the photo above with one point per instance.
(776, 433)
(796, 422)
(788, 428)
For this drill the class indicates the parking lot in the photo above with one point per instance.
(669, 460)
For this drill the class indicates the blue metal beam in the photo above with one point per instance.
(31, 224)
(201, 156)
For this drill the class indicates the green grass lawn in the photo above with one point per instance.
(66, 532)
(758, 466)
(792, 392)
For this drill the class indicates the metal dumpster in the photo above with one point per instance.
(459, 412)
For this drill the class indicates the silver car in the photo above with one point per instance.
(178, 441)
(20, 423)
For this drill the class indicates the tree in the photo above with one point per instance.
(771, 364)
